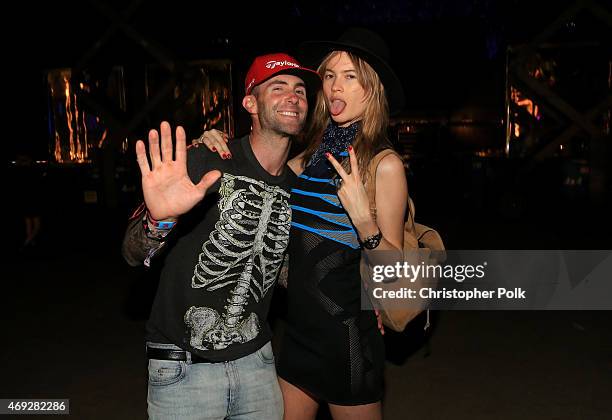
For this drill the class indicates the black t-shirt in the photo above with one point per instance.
(224, 258)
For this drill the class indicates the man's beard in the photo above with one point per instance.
(269, 122)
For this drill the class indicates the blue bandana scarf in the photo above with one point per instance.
(335, 140)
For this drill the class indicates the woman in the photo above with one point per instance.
(332, 351)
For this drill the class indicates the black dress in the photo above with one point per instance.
(331, 348)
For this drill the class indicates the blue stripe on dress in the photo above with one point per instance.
(331, 199)
(322, 180)
(337, 218)
(346, 237)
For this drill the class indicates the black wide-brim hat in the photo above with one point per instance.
(367, 45)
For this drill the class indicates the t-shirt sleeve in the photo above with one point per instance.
(199, 162)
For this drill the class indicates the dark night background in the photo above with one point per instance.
(74, 312)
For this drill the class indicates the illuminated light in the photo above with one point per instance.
(517, 130)
(79, 151)
(69, 118)
(75, 133)
(527, 103)
(561, 146)
(57, 153)
(102, 139)
(84, 156)
(518, 98)
(207, 90)
(125, 145)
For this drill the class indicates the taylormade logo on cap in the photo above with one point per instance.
(269, 65)
(274, 63)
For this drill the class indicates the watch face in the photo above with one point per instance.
(372, 244)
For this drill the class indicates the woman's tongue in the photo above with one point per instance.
(337, 106)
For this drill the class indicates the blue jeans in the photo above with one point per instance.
(246, 388)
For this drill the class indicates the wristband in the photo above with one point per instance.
(160, 224)
(156, 229)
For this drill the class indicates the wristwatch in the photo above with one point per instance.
(372, 241)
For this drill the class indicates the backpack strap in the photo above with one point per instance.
(371, 182)
(371, 189)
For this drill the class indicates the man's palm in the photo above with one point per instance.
(167, 188)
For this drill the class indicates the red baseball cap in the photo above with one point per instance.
(267, 66)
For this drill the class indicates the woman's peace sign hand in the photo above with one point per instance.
(352, 193)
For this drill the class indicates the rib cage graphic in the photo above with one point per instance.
(244, 250)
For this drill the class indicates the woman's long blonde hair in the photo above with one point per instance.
(372, 133)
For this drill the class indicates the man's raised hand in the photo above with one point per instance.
(167, 188)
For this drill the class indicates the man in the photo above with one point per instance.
(226, 224)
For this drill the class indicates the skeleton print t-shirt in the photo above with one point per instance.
(224, 259)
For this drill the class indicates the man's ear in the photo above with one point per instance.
(249, 103)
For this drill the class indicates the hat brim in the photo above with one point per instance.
(313, 52)
(311, 79)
